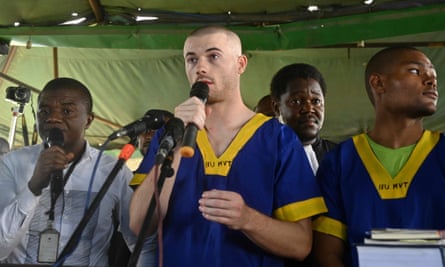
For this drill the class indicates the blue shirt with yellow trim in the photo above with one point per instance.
(266, 165)
(361, 194)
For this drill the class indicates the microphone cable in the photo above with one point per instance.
(159, 212)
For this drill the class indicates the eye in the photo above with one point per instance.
(316, 101)
(192, 60)
(415, 71)
(214, 56)
(42, 112)
(295, 102)
(67, 111)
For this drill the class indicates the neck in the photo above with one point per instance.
(78, 150)
(227, 114)
(223, 124)
(397, 134)
(308, 142)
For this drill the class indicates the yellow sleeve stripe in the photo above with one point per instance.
(138, 178)
(330, 226)
(300, 210)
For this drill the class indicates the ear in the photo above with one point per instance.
(377, 83)
(242, 64)
(89, 120)
(275, 107)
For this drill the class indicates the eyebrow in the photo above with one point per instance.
(62, 103)
(430, 65)
(213, 49)
(207, 50)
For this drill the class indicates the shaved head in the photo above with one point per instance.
(382, 62)
(235, 40)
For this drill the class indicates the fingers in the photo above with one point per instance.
(50, 160)
(223, 207)
(192, 110)
(54, 158)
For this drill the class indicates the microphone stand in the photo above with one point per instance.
(125, 154)
(166, 171)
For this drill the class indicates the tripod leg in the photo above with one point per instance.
(11, 137)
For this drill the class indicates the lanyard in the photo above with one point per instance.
(56, 193)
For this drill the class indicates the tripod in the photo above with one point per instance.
(17, 111)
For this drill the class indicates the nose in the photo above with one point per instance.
(201, 66)
(306, 106)
(54, 116)
(431, 78)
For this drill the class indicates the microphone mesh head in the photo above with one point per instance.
(55, 137)
(164, 115)
(200, 90)
(156, 118)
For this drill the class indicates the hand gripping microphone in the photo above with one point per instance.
(200, 90)
(174, 130)
(153, 119)
(55, 138)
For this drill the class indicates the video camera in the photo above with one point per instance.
(19, 94)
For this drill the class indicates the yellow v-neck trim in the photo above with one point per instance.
(221, 166)
(397, 187)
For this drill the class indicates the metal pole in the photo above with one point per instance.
(16, 112)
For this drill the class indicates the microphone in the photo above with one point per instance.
(55, 138)
(153, 119)
(174, 130)
(200, 90)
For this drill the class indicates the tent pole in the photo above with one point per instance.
(97, 9)
(55, 62)
(11, 55)
(13, 80)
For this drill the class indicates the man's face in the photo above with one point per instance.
(302, 108)
(214, 59)
(65, 109)
(409, 86)
(144, 140)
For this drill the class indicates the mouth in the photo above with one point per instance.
(48, 129)
(431, 94)
(309, 122)
(204, 80)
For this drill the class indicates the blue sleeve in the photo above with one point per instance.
(148, 161)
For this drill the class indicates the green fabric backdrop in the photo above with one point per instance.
(127, 83)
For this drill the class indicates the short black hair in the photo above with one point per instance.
(291, 72)
(69, 83)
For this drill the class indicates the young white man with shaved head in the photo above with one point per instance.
(247, 196)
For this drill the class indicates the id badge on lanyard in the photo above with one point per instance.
(48, 245)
